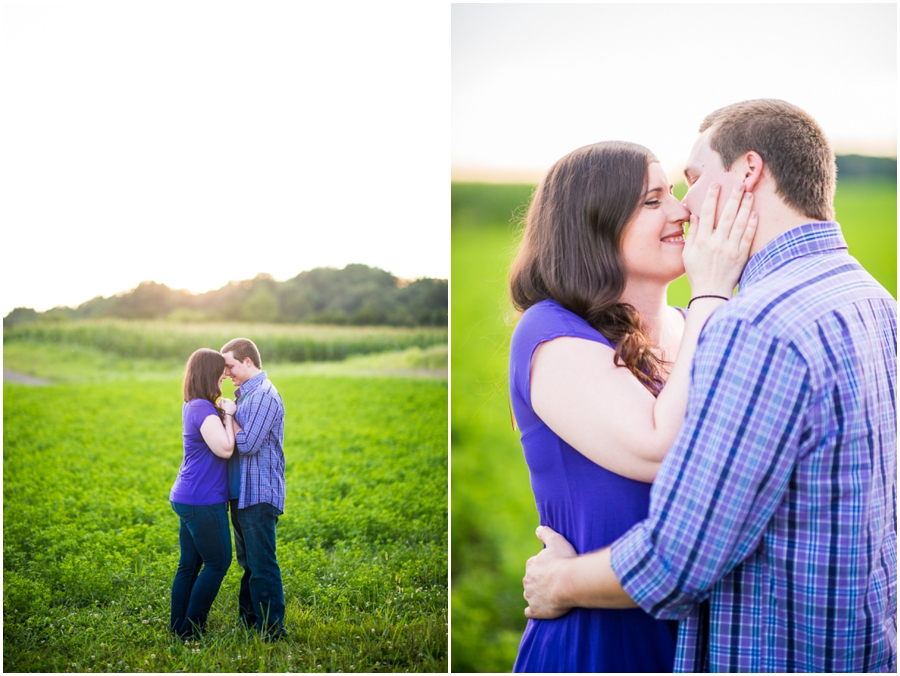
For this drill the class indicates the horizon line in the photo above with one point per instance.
(399, 278)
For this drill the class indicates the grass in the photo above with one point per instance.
(172, 341)
(79, 363)
(90, 542)
(492, 507)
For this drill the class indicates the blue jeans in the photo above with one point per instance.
(261, 599)
(205, 556)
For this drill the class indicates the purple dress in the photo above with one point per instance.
(591, 507)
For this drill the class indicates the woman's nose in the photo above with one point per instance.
(681, 212)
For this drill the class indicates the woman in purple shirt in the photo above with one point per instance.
(589, 357)
(200, 493)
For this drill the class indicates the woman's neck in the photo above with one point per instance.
(649, 299)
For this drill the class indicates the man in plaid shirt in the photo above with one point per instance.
(772, 526)
(256, 487)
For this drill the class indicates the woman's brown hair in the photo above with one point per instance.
(571, 247)
(201, 377)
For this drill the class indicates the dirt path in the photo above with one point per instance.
(23, 379)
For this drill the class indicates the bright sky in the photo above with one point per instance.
(196, 142)
(531, 83)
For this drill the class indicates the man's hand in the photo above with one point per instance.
(544, 575)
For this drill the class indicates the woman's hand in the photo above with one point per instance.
(715, 253)
(228, 406)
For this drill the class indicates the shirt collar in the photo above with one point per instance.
(805, 240)
(248, 386)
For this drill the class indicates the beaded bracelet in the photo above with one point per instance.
(710, 296)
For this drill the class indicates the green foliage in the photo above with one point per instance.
(356, 295)
(483, 204)
(90, 542)
(168, 340)
(20, 315)
(493, 511)
(867, 212)
(855, 167)
(492, 507)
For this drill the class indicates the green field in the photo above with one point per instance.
(160, 339)
(91, 543)
(492, 509)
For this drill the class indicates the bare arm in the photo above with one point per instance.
(218, 434)
(602, 410)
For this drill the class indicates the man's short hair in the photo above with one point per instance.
(790, 143)
(242, 348)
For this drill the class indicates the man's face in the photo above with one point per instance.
(239, 372)
(704, 167)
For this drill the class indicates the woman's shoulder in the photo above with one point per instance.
(198, 409)
(548, 319)
(200, 403)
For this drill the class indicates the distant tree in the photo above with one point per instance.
(860, 166)
(357, 295)
(96, 307)
(295, 300)
(426, 300)
(260, 306)
(20, 315)
(58, 314)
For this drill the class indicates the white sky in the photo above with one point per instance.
(196, 142)
(530, 83)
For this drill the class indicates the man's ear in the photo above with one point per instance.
(753, 169)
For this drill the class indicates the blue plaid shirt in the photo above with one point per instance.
(256, 472)
(773, 519)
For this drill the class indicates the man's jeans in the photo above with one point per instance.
(261, 600)
(205, 542)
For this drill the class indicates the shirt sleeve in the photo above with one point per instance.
(258, 417)
(726, 473)
(199, 411)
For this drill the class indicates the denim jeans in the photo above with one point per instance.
(261, 600)
(205, 556)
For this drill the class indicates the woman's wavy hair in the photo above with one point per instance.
(571, 247)
(201, 377)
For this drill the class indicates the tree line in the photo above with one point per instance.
(357, 295)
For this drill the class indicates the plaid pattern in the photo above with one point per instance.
(260, 412)
(772, 524)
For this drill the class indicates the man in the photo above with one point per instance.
(772, 525)
(256, 487)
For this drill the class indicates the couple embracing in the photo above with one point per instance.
(233, 459)
(716, 485)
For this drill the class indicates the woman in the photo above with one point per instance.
(200, 493)
(588, 361)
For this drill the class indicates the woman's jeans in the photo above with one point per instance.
(261, 600)
(205, 539)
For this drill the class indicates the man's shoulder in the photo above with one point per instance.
(797, 295)
(802, 309)
(265, 389)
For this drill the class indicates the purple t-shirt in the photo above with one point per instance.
(202, 479)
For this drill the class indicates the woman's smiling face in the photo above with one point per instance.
(654, 237)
